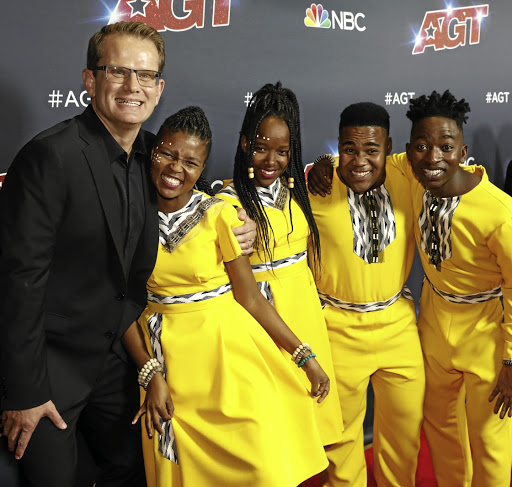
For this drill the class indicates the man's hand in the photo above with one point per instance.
(503, 392)
(246, 233)
(18, 426)
(320, 178)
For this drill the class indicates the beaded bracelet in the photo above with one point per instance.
(305, 351)
(325, 156)
(147, 380)
(304, 360)
(507, 361)
(147, 372)
(301, 347)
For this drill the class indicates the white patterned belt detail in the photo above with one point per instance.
(189, 298)
(277, 264)
(468, 298)
(326, 300)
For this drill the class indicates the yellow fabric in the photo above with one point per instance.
(463, 344)
(381, 345)
(296, 301)
(241, 416)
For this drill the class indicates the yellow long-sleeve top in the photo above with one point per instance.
(481, 245)
(345, 275)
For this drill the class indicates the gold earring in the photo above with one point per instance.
(290, 183)
(250, 171)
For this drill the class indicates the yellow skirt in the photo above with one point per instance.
(296, 300)
(242, 416)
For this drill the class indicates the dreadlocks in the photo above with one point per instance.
(192, 121)
(279, 102)
(437, 105)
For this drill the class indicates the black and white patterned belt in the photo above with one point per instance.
(189, 298)
(327, 300)
(468, 298)
(277, 264)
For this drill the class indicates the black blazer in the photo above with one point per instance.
(64, 296)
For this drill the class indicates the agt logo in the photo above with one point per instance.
(317, 16)
(160, 14)
(450, 28)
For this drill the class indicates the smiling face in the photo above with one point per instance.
(363, 152)
(124, 106)
(177, 162)
(271, 150)
(435, 151)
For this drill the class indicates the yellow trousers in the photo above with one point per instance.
(463, 345)
(384, 347)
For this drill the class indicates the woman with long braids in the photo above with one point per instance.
(269, 183)
(206, 344)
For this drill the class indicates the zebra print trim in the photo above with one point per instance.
(264, 287)
(175, 226)
(468, 298)
(273, 196)
(189, 298)
(442, 219)
(277, 264)
(167, 441)
(327, 300)
(361, 222)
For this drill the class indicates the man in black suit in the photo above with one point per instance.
(78, 241)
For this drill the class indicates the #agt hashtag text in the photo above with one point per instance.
(56, 99)
(397, 98)
(247, 98)
(497, 96)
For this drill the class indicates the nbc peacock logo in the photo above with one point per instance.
(316, 16)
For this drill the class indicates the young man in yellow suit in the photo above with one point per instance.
(463, 229)
(365, 225)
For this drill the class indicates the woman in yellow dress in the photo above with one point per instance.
(269, 183)
(240, 416)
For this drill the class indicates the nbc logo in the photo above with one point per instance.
(318, 17)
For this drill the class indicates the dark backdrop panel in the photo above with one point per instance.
(260, 41)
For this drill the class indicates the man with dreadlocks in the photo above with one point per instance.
(365, 226)
(269, 183)
(463, 230)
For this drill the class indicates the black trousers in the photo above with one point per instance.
(104, 420)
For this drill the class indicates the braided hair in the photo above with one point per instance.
(273, 101)
(191, 121)
(436, 105)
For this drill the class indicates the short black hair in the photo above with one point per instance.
(436, 105)
(364, 114)
(191, 120)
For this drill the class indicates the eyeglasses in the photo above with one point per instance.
(120, 74)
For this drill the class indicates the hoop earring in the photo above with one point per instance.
(250, 171)
(290, 183)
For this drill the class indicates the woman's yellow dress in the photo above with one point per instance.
(291, 289)
(242, 417)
